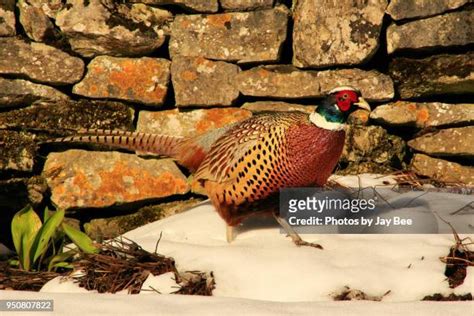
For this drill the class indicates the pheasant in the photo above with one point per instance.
(242, 166)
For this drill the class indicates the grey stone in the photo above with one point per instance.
(110, 28)
(241, 37)
(408, 9)
(192, 5)
(37, 189)
(328, 33)
(39, 62)
(359, 117)
(288, 82)
(201, 82)
(34, 21)
(189, 123)
(111, 227)
(84, 179)
(260, 106)
(65, 115)
(7, 18)
(442, 170)
(48, 7)
(244, 5)
(446, 142)
(451, 29)
(439, 74)
(18, 151)
(143, 80)
(21, 92)
(371, 149)
(423, 114)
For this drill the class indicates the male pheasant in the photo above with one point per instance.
(241, 167)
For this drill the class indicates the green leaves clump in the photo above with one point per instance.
(40, 244)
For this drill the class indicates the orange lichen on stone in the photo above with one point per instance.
(137, 76)
(422, 116)
(215, 118)
(97, 69)
(145, 185)
(201, 61)
(93, 89)
(219, 20)
(81, 181)
(138, 79)
(411, 106)
(263, 73)
(189, 75)
(361, 116)
(185, 23)
(100, 179)
(70, 193)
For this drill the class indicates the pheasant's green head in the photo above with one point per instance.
(339, 103)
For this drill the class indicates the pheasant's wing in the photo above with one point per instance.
(231, 147)
(242, 140)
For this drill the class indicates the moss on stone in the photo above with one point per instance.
(370, 149)
(65, 115)
(106, 228)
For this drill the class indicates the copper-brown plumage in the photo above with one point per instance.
(257, 157)
(243, 166)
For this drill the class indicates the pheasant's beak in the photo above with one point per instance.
(363, 104)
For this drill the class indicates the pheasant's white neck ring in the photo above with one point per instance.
(321, 122)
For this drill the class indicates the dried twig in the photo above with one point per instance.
(458, 259)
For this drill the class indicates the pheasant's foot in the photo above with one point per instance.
(294, 235)
(229, 233)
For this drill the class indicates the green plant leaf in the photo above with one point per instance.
(59, 234)
(66, 265)
(60, 259)
(46, 214)
(80, 239)
(40, 245)
(25, 226)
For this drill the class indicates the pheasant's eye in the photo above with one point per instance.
(343, 97)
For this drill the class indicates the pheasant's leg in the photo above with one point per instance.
(229, 233)
(293, 235)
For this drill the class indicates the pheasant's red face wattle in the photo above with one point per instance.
(345, 99)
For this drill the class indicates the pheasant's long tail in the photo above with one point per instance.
(135, 141)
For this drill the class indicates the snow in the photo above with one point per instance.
(164, 284)
(170, 305)
(263, 273)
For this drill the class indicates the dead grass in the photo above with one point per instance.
(21, 280)
(123, 265)
(451, 297)
(120, 265)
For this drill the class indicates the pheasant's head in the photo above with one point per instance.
(334, 110)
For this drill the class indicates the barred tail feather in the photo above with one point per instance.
(134, 141)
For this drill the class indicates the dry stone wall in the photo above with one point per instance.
(187, 66)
